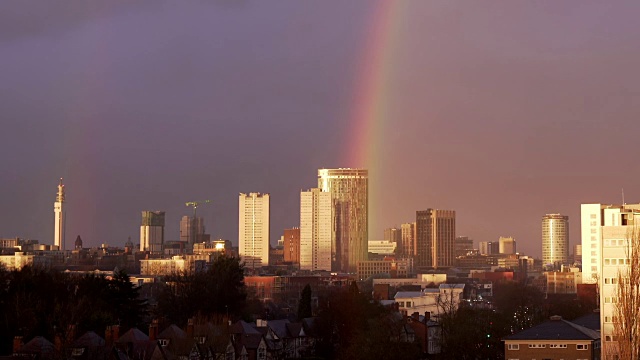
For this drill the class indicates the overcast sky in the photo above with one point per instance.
(503, 111)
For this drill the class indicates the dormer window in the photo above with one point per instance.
(200, 339)
(77, 351)
(163, 342)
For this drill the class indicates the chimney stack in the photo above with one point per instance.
(115, 332)
(190, 328)
(108, 338)
(17, 343)
(427, 316)
(153, 330)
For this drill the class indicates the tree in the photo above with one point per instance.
(304, 306)
(627, 305)
(219, 290)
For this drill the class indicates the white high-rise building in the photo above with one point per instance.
(315, 230)
(605, 232)
(152, 232)
(58, 211)
(253, 229)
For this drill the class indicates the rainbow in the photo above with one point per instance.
(370, 116)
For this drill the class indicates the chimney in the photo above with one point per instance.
(415, 316)
(153, 330)
(190, 328)
(108, 338)
(71, 334)
(115, 332)
(57, 342)
(427, 316)
(17, 343)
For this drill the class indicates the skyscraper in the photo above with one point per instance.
(253, 229)
(407, 246)
(349, 190)
(58, 211)
(555, 240)
(191, 229)
(435, 238)
(315, 230)
(152, 232)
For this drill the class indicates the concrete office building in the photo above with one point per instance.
(393, 235)
(315, 230)
(463, 245)
(506, 245)
(407, 246)
(152, 232)
(435, 238)
(291, 245)
(605, 233)
(253, 229)
(192, 230)
(555, 240)
(349, 190)
(59, 218)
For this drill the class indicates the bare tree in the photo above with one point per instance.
(627, 306)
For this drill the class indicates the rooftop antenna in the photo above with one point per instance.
(623, 199)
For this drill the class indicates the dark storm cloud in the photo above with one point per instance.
(503, 111)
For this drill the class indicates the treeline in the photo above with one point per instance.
(46, 303)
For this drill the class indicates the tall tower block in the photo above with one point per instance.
(349, 190)
(58, 211)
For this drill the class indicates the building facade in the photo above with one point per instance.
(349, 189)
(59, 218)
(407, 246)
(555, 240)
(253, 229)
(152, 232)
(506, 245)
(316, 216)
(393, 235)
(435, 238)
(291, 245)
(192, 230)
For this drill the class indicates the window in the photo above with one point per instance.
(513, 346)
(401, 303)
(77, 351)
(163, 342)
(582, 347)
(558, 346)
(408, 303)
(537, 346)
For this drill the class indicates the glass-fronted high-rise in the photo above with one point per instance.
(555, 239)
(349, 190)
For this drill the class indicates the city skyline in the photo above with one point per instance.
(502, 113)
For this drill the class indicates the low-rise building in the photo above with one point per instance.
(554, 339)
(435, 301)
(391, 267)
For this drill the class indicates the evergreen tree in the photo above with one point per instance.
(304, 306)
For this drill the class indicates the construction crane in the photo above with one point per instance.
(195, 204)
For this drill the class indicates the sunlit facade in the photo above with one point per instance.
(315, 230)
(435, 238)
(152, 231)
(253, 229)
(349, 190)
(58, 211)
(555, 240)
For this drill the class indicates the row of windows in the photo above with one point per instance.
(617, 261)
(551, 346)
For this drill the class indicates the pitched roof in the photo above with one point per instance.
(556, 329)
(407, 294)
(590, 321)
(294, 329)
(279, 327)
(37, 345)
(88, 339)
(250, 341)
(172, 332)
(133, 335)
(242, 327)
